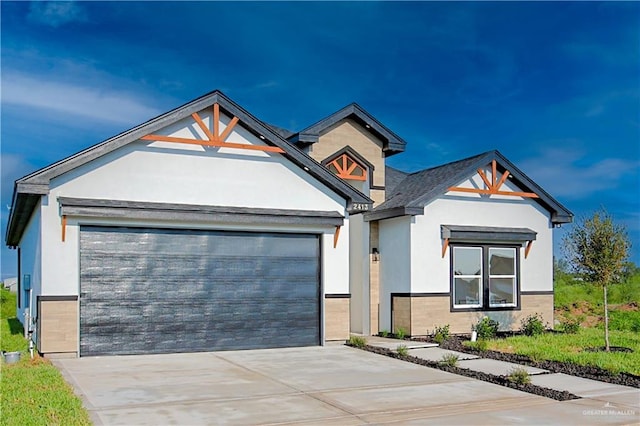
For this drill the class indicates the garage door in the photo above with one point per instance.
(163, 291)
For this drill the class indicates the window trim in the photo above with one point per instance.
(513, 276)
(481, 280)
(485, 305)
(357, 158)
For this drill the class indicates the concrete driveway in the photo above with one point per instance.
(315, 385)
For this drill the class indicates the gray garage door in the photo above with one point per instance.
(163, 291)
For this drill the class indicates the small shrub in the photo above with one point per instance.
(358, 341)
(532, 325)
(570, 325)
(402, 350)
(450, 359)
(487, 328)
(479, 345)
(384, 333)
(401, 333)
(519, 376)
(441, 334)
(624, 321)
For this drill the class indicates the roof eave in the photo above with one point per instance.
(392, 213)
(559, 214)
(392, 142)
(21, 212)
(559, 219)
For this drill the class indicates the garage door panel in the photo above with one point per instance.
(140, 239)
(193, 290)
(158, 291)
(133, 265)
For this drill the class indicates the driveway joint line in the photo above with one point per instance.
(289, 386)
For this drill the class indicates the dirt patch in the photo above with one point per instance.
(633, 306)
(611, 349)
(590, 315)
(498, 380)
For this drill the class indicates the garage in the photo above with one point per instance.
(149, 290)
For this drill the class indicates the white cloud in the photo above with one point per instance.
(56, 13)
(12, 167)
(78, 100)
(566, 173)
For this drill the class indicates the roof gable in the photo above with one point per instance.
(29, 188)
(416, 190)
(392, 143)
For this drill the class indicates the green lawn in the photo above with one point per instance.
(33, 391)
(583, 301)
(570, 348)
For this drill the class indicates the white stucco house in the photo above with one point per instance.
(208, 229)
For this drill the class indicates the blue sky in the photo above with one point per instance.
(554, 86)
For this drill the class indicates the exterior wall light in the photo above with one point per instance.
(375, 255)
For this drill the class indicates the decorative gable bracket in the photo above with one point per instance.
(493, 185)
(214, 137)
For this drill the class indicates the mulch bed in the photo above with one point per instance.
(498, 380)
(455, 343)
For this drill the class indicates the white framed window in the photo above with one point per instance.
(467, 277)
(502, 277)
(484, 277)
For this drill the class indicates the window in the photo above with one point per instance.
(502, 277)
(467, 277)
(346, 167)
(484, 277)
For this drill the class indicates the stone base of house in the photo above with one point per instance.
(336, 317)
(57, 326)
(419, 315)
(60, 355)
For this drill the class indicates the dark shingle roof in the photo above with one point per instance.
(392, 143)
(392, 177)
(416, 190)
(417, 185)
(281, 131)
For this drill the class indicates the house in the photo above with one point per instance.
(208, 229)
(11, 284)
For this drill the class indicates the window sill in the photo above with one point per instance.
(484, 309)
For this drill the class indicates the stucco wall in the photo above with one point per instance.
(189, 174)
(30, 264)
(359, 273)
(412, 262)
(395, 263)
(348, 132)
(430, 271)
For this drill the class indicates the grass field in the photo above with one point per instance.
(583, 302)
(570, 348)
(33, 391)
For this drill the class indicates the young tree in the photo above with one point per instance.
(598, 248)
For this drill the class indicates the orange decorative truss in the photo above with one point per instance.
(346, 167)
(214, 137)
(493, 185)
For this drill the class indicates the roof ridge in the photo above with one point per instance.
(454, 162)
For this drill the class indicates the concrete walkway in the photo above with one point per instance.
(330, 385)
(615, 399)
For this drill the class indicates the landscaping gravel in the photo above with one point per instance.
(499, 380)
(588, 372)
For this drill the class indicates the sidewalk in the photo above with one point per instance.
(614, 397)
